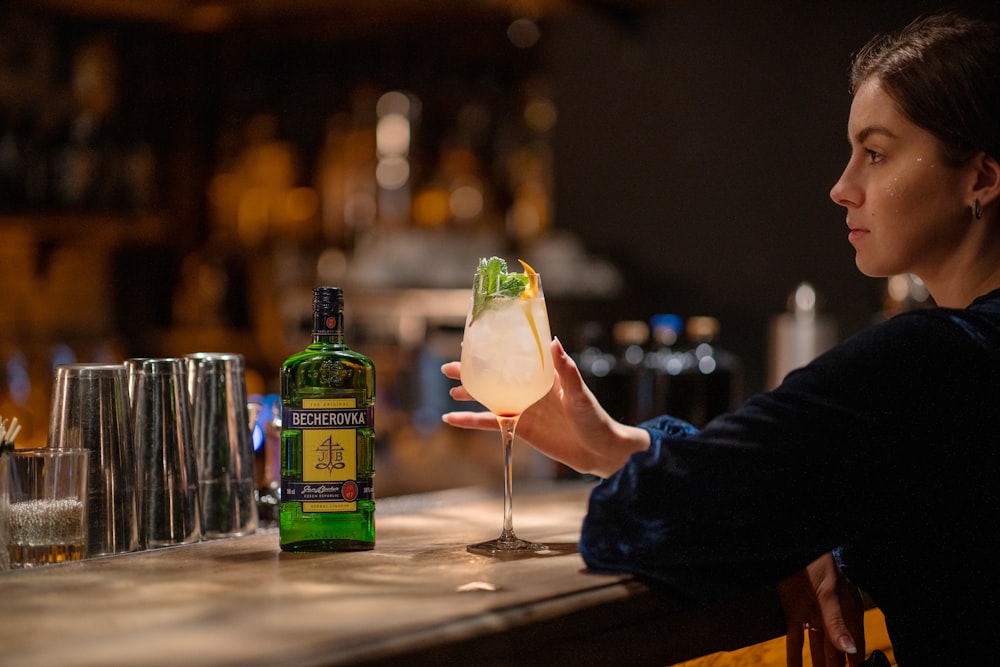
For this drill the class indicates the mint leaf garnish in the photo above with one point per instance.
(492, 281)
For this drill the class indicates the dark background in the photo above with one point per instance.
(697, 144)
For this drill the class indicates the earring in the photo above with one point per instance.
(977, 210)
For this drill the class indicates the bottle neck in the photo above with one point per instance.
(328, 325)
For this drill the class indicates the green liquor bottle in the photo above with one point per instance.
(327, 438)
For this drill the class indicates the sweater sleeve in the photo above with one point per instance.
(761, 492)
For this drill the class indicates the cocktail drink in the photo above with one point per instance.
(506, 366)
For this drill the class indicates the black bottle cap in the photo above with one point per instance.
(328, 298)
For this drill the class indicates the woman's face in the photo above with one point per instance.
(906, 208)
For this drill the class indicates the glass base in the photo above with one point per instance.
(503, 547)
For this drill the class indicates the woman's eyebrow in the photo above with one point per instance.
(862, 136)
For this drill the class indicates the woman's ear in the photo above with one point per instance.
(987, 187)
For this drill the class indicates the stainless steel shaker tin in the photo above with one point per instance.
(217, 386)
(169, 508)
(90, 410)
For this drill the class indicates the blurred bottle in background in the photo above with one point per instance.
(629, 393)
(265, 434)
(798, 336)
(710, 378)
(654, 371)
(596, 361)
(663, 361)
(591, 357)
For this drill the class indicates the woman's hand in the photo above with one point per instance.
(567, 424)
(821, 602)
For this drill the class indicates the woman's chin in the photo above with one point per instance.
(871, 270)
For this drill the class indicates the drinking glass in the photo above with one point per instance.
(47, 506)
(507, 367)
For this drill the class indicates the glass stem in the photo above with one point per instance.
(507, 427)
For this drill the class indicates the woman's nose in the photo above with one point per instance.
(844, 192)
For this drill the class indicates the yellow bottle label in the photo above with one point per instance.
(329, 459)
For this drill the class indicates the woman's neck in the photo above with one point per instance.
(969, 270)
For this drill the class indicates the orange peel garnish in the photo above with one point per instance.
(530, 292)
(531, 289)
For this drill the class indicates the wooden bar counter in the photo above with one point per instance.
(418, 599)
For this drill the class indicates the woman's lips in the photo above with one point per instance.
(856, 233)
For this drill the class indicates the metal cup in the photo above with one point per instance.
(132, 367)
(217, 384)
(90, 410)
(167, 463)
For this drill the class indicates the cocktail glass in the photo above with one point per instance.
(507, 367)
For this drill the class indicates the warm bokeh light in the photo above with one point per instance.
(466, 201)
(523, 33)
(898, 287)
(392, 173)
(431, 207)
(360, 210)
(540, 114)
(392, 135)
(529, 215)
(805, 298)
(208, 17)
(301, 204)
(395, 102)
(331, 267)
(252, 214)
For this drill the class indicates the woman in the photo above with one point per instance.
(882, 451)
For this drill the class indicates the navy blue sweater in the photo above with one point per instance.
(885, 450)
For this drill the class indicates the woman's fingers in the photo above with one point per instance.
(460, 393)
(452, 370)
(480, 421)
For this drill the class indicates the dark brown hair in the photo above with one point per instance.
(943, 70)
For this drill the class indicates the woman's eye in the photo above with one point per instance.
(874, 157)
